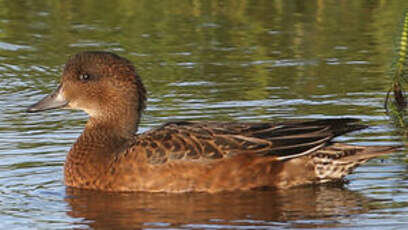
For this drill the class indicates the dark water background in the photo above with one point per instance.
(203, 60)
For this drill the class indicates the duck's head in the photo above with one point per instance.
(103, 84)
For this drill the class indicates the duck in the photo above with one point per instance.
(189, 156)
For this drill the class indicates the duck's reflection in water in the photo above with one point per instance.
(297, 207)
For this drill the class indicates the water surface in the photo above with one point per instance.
(203, 60)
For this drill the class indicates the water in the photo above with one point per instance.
(203, 60)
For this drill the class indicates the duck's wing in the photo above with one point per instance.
(214, 140)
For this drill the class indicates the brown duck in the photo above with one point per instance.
(188, 156)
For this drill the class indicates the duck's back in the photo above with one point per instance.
(194, 141)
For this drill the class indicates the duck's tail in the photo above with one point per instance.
(338, 160)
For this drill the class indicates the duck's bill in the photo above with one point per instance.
(52, 101)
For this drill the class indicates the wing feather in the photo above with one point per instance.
(214, 140)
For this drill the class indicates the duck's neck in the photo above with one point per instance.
(95, 149)
(121, 126)
(122, 117)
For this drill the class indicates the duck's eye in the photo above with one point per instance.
(84, 77)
